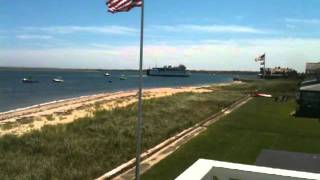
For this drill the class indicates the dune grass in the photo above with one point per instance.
(89, 147)
(240, 137)
(21, 121)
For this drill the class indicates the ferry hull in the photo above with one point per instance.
(168, 74)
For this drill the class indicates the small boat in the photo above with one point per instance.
(109, 81)
(58, 80)
(28, 80)
(107, 74)
(123, 77)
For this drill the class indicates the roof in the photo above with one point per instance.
(289, 160)
(314, 87)
(310, 82)
(203, 167)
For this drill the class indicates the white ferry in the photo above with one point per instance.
(169, 71)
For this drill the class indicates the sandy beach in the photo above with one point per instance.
(21, 121)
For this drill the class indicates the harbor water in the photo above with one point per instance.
(15, 94)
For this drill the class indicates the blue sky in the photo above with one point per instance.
(209, 34)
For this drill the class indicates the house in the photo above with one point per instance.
(313, 69)
(308, 99)
(277, 72)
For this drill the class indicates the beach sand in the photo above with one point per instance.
(21, 121)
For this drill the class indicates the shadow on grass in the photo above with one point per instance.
(308, 114)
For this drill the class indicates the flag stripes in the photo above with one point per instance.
(261, 58)
(122, 5)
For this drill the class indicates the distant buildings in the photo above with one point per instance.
(278, 72)
(313, 69)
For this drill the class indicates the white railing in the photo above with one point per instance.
(217, 170)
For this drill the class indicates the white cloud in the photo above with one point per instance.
(209, 55)
(128, 30)
(32, 37)
(210, 28)
(82, 29)
(303, 21)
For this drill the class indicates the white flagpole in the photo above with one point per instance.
(264, 66)
(139, 121)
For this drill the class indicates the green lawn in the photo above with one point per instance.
(240, 137)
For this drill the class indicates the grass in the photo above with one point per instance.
(25, 120)
(89, 147)
(240, 137)
(98, 106)
(50, 117)
(275, 87)
(8, 125)
(20, 121)
(62, 118)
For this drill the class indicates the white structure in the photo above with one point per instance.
(216, 170)
(312, 68)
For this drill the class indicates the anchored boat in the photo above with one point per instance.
(123, 77)
(28, 80)
(58, 80)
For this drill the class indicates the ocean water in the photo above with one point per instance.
(15, 94)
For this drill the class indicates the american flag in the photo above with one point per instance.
(122, 5)
(261, 58)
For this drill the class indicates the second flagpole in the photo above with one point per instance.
(264, 66)
(139, 121)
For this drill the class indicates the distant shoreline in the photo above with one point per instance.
(102, 70)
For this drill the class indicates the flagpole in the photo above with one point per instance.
(264, 66)
(139, 121)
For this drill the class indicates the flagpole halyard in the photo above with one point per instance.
(139, 120)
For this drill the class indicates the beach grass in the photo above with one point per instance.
(49, 117)
(91, 146)
(20, 121)
(240, 136)
(8, 125)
